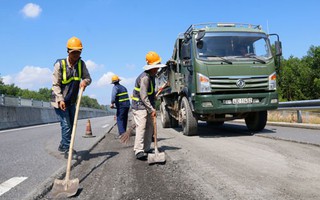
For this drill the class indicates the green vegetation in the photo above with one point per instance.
(299, 79)
(44, 94)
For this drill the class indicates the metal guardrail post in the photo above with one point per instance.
(299, 116)
(19, 101)
(2, 99)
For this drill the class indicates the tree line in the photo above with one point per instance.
(43, 94)
(298, 79)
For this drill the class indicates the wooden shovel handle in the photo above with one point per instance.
(155, 133)
(73, 134)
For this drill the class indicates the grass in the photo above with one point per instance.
(291, 116)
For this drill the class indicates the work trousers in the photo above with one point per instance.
(122, 119)
(66, 119)
(144, 130)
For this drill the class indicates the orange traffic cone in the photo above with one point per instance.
(88, 131)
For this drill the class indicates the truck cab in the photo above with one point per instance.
(220, 72)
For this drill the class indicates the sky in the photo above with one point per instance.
(117, 34)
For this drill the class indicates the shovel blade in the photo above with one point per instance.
(156, 157)
(63, 188)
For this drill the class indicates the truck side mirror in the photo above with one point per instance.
(278, 47)
(185, 51)
(277, 44)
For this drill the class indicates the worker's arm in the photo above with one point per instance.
(56, 82)
(86, 78)
(113, 96)
(144, 94)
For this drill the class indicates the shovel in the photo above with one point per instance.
(67, 187)
(126, 136)
(157, 157)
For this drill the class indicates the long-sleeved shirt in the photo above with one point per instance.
(141, 99)
(120, 96)
(70, 91)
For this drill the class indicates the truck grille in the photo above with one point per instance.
(223, 83)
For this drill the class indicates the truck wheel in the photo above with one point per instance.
(188, 122)
(165, 117)
(256, 121)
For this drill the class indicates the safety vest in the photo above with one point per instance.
(138, 90)
(69, 89)
(120, 96)
(136, 103)
(64, 73)
(123, 96)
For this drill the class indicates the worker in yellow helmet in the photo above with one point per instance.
(69, 75)
(143, 105)
(120, 100)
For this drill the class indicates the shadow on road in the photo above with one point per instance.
(87, 156)
(226, 130)
(168, 148)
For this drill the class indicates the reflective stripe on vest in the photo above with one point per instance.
(64, 73)
(121, 94)
(138, 90)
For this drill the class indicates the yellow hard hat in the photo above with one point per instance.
(152, 58)
(74, 43)
(115, 78)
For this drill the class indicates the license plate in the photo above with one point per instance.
(242, 101)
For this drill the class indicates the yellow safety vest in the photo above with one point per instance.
(138, 90)
(64, 73)
(121, 94)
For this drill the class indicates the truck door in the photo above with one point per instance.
(186, 66)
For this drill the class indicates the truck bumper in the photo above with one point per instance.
(223, 103)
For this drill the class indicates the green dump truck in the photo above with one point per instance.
(220, 72)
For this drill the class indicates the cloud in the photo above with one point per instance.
(92, 65)
(33, 78)
(106, 80)
(127, 81)
(31, 10)
(8, 80)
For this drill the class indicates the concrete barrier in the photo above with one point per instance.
(20, 116)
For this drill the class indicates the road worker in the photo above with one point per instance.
(120, 100)
(69, 75)
(143, 105)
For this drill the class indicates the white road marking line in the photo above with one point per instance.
(9, 184)
(105, 126)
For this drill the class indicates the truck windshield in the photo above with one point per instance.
(237, 45)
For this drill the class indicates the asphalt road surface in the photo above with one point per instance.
(224, 162)
(29, 157)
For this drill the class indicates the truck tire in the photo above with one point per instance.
(256, 121)
(188, 122)
(165, 117)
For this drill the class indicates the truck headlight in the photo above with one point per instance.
(203, 83)
(273, 81)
